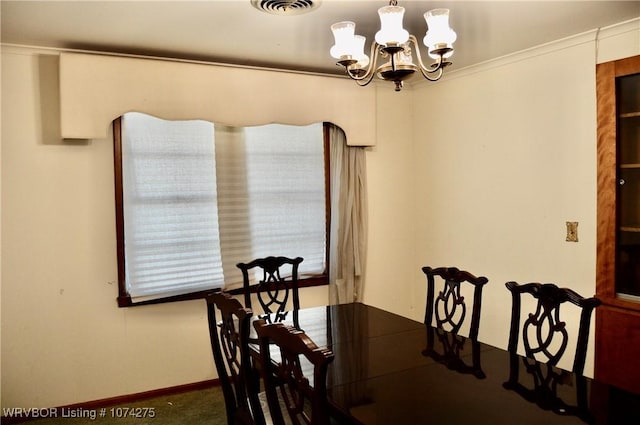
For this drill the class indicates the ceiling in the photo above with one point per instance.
(233, 31)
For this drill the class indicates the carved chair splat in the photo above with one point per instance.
(286, 385)
(450, 310)
(273, 290)
(546, 324)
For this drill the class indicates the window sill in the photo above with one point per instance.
(126, 301)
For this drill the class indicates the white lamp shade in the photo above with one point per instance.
(439, 34)
(391, 30)
(343, 32)
(358, 51)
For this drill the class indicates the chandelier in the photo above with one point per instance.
(395, 47)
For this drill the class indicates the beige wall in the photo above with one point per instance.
(511, 170)
(503, 159)
(64, 340)
(512, 159)
(391, 204)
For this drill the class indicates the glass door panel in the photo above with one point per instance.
(628, 143)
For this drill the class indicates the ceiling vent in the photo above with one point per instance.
(285, 7)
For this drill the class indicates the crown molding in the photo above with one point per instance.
(540, 50)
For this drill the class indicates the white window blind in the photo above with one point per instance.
(199, 198)
(271, 196)
(170, 207)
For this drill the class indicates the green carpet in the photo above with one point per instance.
(194, 407)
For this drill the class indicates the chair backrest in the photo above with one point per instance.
(284, 380)
(544, 334)
(449, 306)
(273, 290)
(229, 343)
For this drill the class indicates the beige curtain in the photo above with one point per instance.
(348, 234)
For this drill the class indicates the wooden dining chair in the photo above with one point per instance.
(450, 310)
(450, 306)
(288, 390)
(278, 285)
(545, 338)
(544, 334)
(229, 343)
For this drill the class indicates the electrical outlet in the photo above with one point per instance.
(572, 231)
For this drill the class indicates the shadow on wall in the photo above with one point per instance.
(49, 93)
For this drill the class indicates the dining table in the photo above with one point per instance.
(392, 370)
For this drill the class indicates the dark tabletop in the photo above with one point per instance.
(383, 374)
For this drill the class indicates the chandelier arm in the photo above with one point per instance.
(363, 83)
(426, 72)
(366, 78)
(429, 76)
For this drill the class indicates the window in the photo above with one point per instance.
(195, 198)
